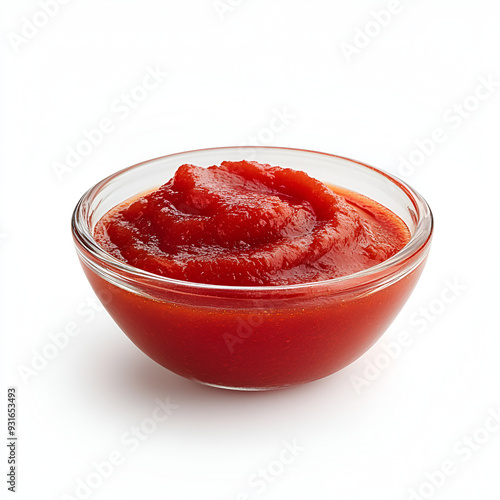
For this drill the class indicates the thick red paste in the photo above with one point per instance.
(247, 224)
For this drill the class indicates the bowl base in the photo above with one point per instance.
(245, 389)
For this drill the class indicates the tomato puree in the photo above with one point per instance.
(249, 224)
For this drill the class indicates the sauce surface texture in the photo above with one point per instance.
(248, 224)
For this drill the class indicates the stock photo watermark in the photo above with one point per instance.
(130, 441)
(84, 312)
(452, 120)
(419, 322)
(279, 121)
(245, 328)
(462, 451)
(32, 25)
(281, 118)
(372, 29)
(12, 439)
(248, 324)
(260, 480)
(121, 108)
(223, 7)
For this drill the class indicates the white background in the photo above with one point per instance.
(230, 70)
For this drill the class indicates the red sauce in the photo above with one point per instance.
(248, 224)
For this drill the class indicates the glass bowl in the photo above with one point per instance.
(264, 337)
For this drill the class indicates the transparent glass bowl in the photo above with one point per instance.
(254, 338)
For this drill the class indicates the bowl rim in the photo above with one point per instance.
(418, 242)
